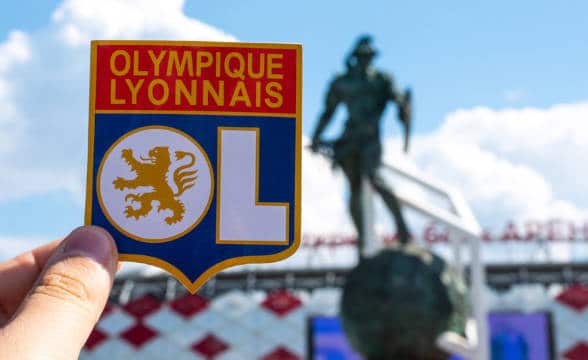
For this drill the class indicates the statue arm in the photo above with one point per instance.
(331, 103)
(394, 94)
(402, 99)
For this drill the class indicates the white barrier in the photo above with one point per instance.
(463, 225)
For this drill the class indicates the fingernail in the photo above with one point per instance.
(91, 242)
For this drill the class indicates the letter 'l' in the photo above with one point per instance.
(241, 218)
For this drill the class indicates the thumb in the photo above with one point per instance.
(57, 316)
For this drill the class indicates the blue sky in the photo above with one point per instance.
(455, 55)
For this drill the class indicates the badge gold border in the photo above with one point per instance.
(193, 286)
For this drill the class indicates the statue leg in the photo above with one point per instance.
(356, 210)
(392, 204)
(353, 175)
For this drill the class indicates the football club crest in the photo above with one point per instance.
(194, 153)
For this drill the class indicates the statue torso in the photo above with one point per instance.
(365, 96)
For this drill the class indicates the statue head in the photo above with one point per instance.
(362, 53)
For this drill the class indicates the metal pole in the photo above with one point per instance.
(369, 231)
(455, 239)
(478, 281)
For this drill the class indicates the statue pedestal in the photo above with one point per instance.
(397, 303)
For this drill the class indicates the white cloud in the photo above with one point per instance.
(14, 245)
(324, 208)
(519, 165)
(44, 87)
(79, 21)
(14, 50)
(511, 164)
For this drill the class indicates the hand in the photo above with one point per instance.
(51, 297)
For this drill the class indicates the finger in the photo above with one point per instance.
(65, 303)
(17, 276)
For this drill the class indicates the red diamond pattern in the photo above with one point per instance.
(142, 306)
(578, 352)
(189, 305)
(281, 302)
(575, 297)
(210, 346)
(281, 353)
(138, 335)
(107, 309)
(95, 338)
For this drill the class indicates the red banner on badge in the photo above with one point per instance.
(196, 78)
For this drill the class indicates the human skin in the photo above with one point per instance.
(51, 297)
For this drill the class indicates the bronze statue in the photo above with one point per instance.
(396, 303)
(365, 92)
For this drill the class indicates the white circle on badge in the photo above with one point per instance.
(155, 184)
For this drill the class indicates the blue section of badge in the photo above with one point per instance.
(197, 251)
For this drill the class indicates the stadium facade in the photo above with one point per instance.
(265, 312)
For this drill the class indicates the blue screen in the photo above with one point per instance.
(513, 336)
(520, 336)
(329, 341)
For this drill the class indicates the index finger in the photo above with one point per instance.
(18, 275)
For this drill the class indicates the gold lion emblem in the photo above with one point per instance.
(152, 171)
